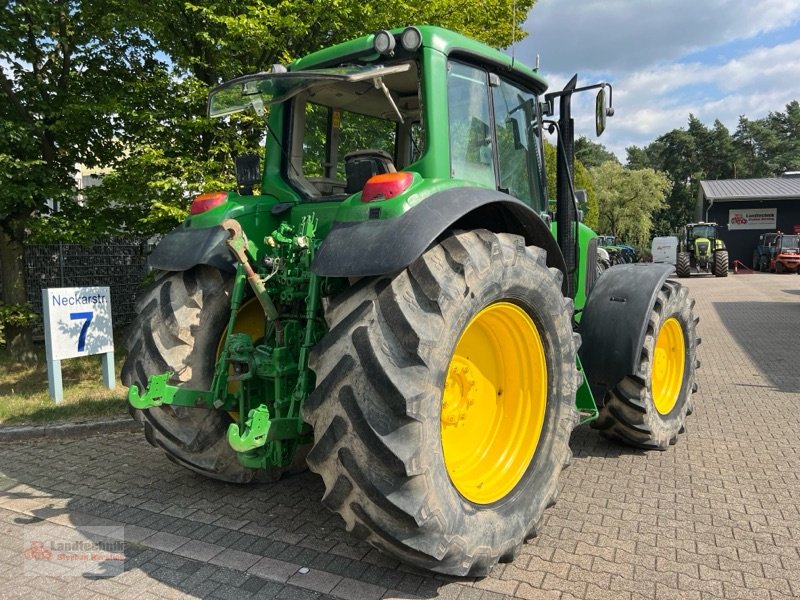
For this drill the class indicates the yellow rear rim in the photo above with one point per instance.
(494, 402)
(668, 366)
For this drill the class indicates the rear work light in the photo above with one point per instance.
(205, 202)
(386, 185)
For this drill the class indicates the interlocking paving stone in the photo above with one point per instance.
(715, 516)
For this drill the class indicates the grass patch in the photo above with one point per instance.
(25, 400)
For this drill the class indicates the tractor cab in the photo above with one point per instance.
(702, 240)
(788, 244)
(333, 125)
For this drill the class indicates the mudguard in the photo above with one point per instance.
(185, 247)
(614, 322)
(381, 246)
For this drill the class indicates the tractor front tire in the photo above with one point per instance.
(445, 402)
(180, 320)
(648, 408)
(684, 265)
(779, 267)
(721, 263)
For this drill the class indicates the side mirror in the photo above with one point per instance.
(602, 109)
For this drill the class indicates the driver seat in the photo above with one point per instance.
(360, 165)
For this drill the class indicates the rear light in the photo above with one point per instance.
(205, 202)
(386, 185)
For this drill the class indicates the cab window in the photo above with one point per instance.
(471, 149)
(495, 133)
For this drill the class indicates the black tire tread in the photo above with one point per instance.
(627, 413)
(683, 266)
(371, 452)
(178, 325)
(721, 263)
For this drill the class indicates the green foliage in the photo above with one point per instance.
(758, 148)
(627, 200)
(583, 180)
(592, 154)
(15, 315)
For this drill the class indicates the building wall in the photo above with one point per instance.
(742, 242)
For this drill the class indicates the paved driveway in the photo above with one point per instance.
(715, 516)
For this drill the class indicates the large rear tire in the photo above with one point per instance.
(721, 263)
(684, 265)
(648, 408)
(445, 402)
(180, 321)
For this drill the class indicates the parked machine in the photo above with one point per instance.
(787, 254)
(395, 309)
(618, 253)
(777, 252)
(702, 249)
(765, 249)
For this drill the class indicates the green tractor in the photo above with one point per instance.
(395, 308)
(702, 249)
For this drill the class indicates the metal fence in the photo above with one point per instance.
(117, 263)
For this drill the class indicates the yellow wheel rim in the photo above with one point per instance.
(668, 366)
(494, 402)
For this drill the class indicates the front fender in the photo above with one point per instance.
(614, 322)
(381, 246)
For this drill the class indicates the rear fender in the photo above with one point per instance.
(186, 247)
(383, 246)
(614, 322)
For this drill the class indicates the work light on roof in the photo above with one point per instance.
(411, 39)
(384, 43)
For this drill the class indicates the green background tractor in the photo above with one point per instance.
(388, 302)
(702, 249)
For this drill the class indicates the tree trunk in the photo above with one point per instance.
(19, 340)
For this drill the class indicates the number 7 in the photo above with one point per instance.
(82, 337)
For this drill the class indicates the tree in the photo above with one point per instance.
(62, 65)
(770, 146)
(592, 154)
(86, 82)
(583, 181)
(627, 200)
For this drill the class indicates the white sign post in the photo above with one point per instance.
(77, 322)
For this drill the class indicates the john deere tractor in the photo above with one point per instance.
(702, 249)
(388, 302)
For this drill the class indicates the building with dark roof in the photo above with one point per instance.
(749, 207)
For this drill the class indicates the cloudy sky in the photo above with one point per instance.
(716, 59)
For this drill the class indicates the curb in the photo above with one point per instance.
(68, 430)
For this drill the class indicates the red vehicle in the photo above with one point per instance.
(786, 258)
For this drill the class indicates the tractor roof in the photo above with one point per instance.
(445, 41)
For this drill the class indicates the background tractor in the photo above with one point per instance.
(619, 253)
(777, 252)
(388, 302)
(765, 250)
(702, 249)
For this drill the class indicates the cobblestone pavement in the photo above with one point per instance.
(715, 516)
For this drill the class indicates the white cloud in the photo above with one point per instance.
(653, 93)
(623, 35)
